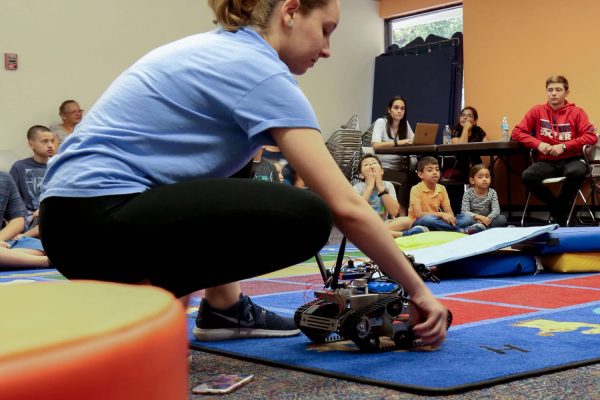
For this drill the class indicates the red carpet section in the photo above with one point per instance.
(513, 300)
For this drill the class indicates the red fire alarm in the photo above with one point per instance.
(10, 61)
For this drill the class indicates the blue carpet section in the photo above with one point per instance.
(477, 353)
(32, 274)
(334, 248)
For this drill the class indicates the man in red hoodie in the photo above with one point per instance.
(558, 130)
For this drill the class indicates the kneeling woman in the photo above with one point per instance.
(143, 182)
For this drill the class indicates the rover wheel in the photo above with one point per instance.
(394, 308)
(362, 327)
(361, 335)
(370, 343)
(404, 340)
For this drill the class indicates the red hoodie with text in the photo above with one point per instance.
(569, 125)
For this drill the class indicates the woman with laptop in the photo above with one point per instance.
(391, 131)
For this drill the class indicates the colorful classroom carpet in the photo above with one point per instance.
(27, 276)
(504, 329)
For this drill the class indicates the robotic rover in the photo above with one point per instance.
(361, 304)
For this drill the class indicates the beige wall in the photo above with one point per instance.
(71, 49)
(394, 8)
(74, 49)
(512, 46)
(343, 85)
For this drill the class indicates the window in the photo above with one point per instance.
(444, 23)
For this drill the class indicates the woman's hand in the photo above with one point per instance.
(433, 327)
(4, 244)
(468, 126)
(404, 141)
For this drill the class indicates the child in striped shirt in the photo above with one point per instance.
(480, 201)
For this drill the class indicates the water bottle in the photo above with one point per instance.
(504, 127)
(447, 135)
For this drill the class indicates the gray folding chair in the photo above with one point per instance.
(345, 146)
(353, 123)
(553, 181)
(591, 156)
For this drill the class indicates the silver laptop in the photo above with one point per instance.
(425, 133)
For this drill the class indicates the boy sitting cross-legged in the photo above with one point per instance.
(428, 197)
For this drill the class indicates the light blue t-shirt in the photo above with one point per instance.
(199, 107)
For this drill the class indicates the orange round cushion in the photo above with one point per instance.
(91, 340)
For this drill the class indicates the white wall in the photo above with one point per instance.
(343, 84)
(74, 49)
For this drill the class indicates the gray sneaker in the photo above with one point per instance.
(475, 228)
(243, 320)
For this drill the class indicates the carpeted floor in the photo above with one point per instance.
(280, 383)
(277, 383)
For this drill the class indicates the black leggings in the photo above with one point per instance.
(185, 236)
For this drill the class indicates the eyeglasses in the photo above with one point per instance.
(75, 112)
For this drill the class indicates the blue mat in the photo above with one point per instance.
(505, 329)
(565, 240)
(472, 245)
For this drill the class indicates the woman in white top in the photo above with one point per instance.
(391, 131)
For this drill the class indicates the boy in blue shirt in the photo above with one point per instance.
(29, 173)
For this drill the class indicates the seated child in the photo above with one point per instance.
(381, 195)
(263, 169)
(428, 196)
(13, 211)
(480, 202)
